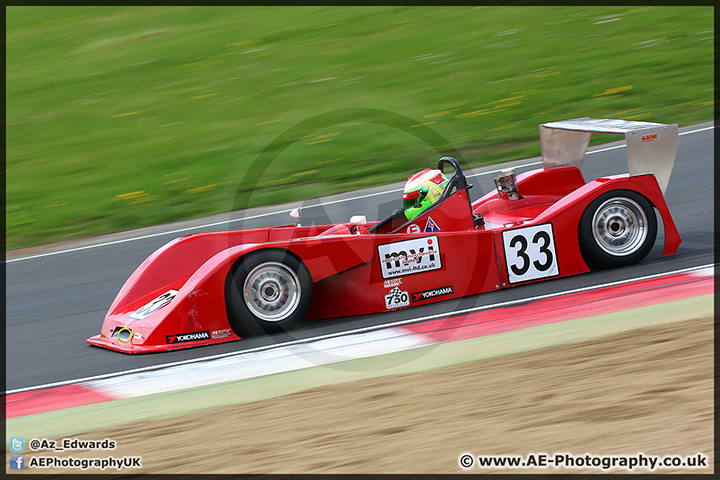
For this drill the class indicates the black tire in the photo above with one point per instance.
(617, 229)
(279, 290)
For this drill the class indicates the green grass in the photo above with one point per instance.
(122, 117)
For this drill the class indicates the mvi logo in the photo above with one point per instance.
(409, 257)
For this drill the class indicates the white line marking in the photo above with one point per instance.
(359, 330)
(698, 130)
(215, 224)
(259, 364)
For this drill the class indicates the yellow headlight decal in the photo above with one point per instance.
(121, 334)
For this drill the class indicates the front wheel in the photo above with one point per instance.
(267, 291)
(617, 229)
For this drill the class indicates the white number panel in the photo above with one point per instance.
(530, 253)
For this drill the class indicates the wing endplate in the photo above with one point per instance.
(652, 147)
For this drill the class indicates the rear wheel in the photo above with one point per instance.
(617, 229)
(269, 291)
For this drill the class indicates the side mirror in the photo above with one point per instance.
(296, 213)
(358, 220)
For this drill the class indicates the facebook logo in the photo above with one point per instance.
(17, 462)
(17, 444)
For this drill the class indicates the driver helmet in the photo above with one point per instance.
(422, 190)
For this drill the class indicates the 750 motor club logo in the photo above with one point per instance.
(409, 257)
(396, 298)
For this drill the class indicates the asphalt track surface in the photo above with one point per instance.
(55, 302)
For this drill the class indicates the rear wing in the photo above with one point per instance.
(651, 147)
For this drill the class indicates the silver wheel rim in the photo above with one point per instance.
(272, 291)
(620, 226)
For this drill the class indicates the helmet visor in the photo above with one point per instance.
(411, 199)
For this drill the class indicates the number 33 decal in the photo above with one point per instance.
(530, 253)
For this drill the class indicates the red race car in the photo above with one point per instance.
(217, 287)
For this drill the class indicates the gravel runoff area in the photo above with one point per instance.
(648, 390)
